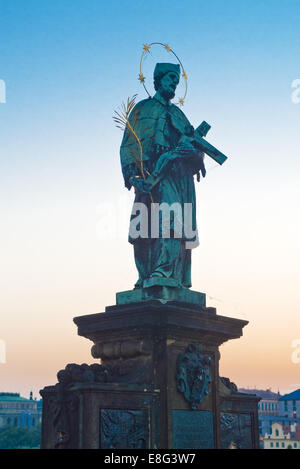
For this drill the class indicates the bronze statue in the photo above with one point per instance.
(171, 154)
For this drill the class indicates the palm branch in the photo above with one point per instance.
(121, 119)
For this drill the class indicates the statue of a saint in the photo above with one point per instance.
(165, 176)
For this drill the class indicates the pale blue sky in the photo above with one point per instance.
(67, 65)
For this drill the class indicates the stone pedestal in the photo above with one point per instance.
(158, 384)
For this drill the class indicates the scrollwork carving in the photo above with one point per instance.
(121, 349)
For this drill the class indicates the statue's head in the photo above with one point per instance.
(166, 79)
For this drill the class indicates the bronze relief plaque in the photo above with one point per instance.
(193, 429)
(124, 429)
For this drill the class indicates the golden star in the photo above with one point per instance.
(141, 78)
(146, 48)
(184, 74)
(181, 101)
(167, 47)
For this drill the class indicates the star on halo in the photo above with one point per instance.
(146, 52)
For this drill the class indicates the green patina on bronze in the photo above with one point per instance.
(172, 153)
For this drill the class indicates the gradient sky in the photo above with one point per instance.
(67, 65)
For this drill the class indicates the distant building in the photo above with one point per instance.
(290, 405)
(18, 411)
(271, 409)
(268, 409)
(269, 401)
(282, 437)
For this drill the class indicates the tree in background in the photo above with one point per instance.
(20, 437)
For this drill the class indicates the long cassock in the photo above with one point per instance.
(159, 126)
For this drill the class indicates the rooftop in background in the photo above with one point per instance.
(295, 396)
(295, 435)
(12, 397)
(264, 394)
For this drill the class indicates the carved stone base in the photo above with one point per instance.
(158, 384)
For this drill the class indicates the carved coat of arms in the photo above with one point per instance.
(193, 375)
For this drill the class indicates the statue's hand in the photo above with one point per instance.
(185, 147)
(202, 166)
(143, 185)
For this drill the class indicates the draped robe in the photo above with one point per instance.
(159, 125)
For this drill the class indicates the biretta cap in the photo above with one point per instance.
(162, 68)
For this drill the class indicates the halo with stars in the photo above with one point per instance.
(142, 78)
